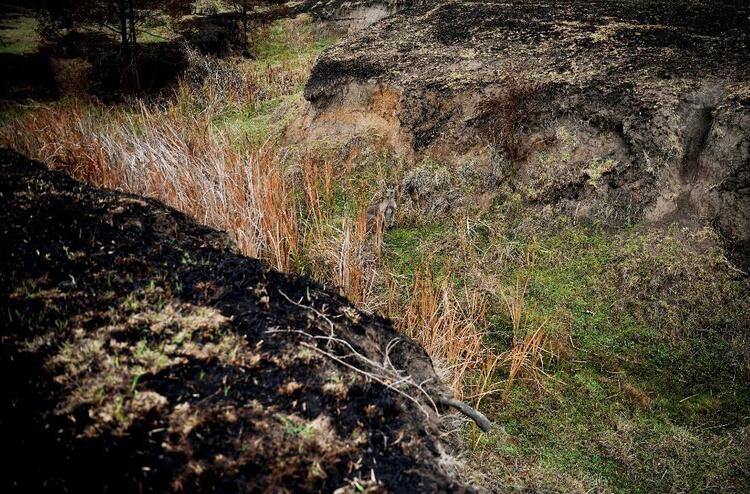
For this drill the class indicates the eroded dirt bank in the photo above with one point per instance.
(618, 111)
(140, 354)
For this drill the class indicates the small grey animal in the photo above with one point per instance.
(383, 210)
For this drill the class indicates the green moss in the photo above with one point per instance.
(255, 124)
(274, 45)
(592, 468)
(598, 168)
(406, 248)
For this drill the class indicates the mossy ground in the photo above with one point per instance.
(285, 42)
(647, 390)
(628, 406)
(282, 47)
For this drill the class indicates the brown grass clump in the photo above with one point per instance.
(354, 271)
(449, 325)
(277, 204)
(318, 179)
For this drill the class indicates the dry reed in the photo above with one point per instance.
(526, 357)
(175, 154)
(175, 158)
(449, 324)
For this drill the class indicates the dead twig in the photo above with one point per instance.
(384, 373)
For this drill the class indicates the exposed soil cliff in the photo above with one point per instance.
(620, 111)
(140, 354)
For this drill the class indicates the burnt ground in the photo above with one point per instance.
(136, 357)
(620, 111)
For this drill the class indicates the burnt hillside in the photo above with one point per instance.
(141, 354)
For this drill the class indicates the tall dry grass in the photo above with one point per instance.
(176, 158)
(450, 324)
(531, 349)
(355, 268)
(174, 153)
(340, 251)
(318, 183)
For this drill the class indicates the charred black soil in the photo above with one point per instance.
(137, 358)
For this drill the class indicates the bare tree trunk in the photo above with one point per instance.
(133, 48)
(244, 25)
(124, 43)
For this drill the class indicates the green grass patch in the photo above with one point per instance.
(255, 124)
(405, 248)
(19, 35)
(280, 43)
(631, 408)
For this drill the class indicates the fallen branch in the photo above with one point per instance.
(475, 415)
(385, 373)
(367, 374)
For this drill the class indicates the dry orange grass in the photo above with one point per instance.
(355, 273)
(531, 344)
(318, 180)
(449, 324)
(175, 154)
(285, 219)
(175, 158)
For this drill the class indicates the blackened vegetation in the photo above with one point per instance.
(85, 265)
(335, 69)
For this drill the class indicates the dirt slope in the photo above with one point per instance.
(136, 357)
(619, 111)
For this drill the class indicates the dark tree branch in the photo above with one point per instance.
(475, 415)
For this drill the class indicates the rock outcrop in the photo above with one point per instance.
(140, 354)
(620, 111)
